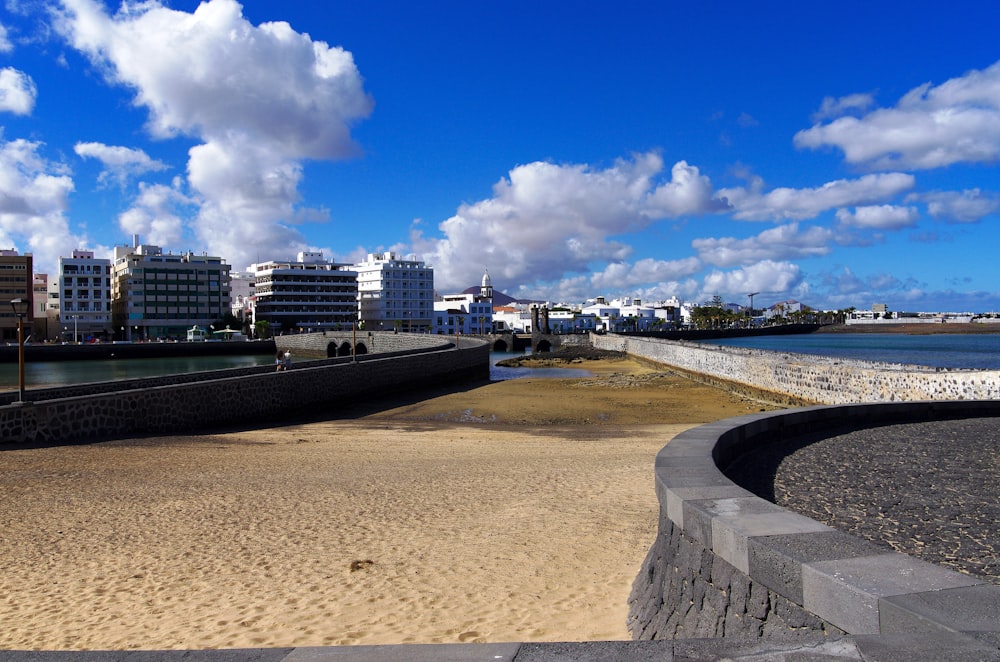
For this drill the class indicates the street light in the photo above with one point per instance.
(20, 308)
(75, 318)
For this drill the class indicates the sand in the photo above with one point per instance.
(513, 511)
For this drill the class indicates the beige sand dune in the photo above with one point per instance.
(514, 511)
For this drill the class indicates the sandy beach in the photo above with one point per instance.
(510, 511)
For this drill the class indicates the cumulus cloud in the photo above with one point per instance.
(120, 163)
(879, 217)
(5, 45)
(260, 99)
(34, 196)
(17, 92)
(545, 220)
(157, 215)
(930, 127)
(785, 242)
(968, 206)
(766, 276)
(751, 204)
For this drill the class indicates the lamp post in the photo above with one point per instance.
(20, 308)
(75, 318)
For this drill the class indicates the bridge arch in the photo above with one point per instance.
(344, 349)
(500, 345)
(543, 346)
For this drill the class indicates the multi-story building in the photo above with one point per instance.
(15, 283)
(309, 294)
(395, 293)
(84, 290)
(157, 295)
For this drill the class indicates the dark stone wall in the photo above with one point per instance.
(684, 591)
(212, 400)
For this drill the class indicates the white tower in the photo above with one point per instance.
(486, 288)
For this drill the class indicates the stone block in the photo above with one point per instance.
(968, 609)
(776, 561)
(846, 592)
(672, 499)
(738, 520)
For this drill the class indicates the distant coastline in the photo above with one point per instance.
(916, 329)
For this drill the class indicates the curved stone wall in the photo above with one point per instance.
(214, 398)
(805, 379)
(728, 564)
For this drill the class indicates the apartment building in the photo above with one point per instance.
(395, 293)
(156, 295)
(84, 303)
(309, 294)
(15, 283)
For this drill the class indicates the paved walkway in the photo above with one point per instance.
(929, 489)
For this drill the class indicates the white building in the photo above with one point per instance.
(465, 313)
(395, 293)
(84, 304)
(241, 289)
(157, 295)
(309, 294)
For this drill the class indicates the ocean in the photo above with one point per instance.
(973, 351)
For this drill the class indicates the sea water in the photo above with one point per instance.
(945, 350)
(44, 374)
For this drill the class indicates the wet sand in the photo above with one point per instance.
(513, 511)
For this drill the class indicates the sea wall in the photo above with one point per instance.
(727, 564)
(216, 398)
(808, 379)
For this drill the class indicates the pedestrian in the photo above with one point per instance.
(286, 361)
(279, 361)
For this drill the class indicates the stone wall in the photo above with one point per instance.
(728, 564)
(339, 343)
(215, 398)
(804, 379)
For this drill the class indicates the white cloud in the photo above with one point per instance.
(5, 45)
(17, 92)
(966, 206)
(687, 193)
(765, 277)
(785, 242)
(261, 99)
(157, 215)
(798, 204)
(547, 220)
(879, 217)
(34, 196)
(930, 127)
(120, 163)
(835, 107)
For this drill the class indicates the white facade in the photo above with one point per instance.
(84, 289)
(395, 293)
(241, 289)
(309, 294)
(462, 313)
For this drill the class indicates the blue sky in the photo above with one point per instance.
(839, 154)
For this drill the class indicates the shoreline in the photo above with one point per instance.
(914, 329)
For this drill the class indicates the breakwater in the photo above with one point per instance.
(790, 378)
(200, 401)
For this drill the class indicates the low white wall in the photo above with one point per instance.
(817, 379)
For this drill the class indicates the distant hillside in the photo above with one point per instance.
(499, 298)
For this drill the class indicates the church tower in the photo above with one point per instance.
(486, 288)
